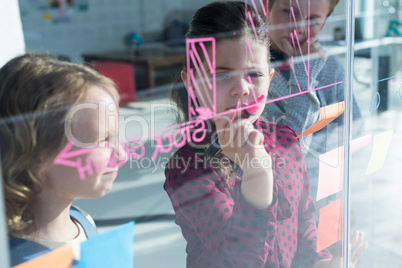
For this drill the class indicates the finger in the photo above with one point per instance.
(311, 42)
(287, 46)
(256, 138)
(357, 243)
(356, 257)
(241, 133)
(354, 238)
(337, 257)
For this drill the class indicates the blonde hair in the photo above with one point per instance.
(36, 94)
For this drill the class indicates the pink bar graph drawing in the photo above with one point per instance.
(201, 78)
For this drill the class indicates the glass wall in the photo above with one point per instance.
(332, 171)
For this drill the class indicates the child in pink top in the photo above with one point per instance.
(249, 205)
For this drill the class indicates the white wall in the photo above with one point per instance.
(12, 39)
(102, 27)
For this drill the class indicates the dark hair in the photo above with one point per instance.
(36, 94)
(220, 19)
(332, 6)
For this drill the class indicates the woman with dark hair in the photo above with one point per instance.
(248, 205)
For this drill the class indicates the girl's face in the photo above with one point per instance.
(97, 125)
(241, 76)
(282, 22)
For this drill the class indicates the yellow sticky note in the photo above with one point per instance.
(380, 149)
(59, 258)
(46, 16)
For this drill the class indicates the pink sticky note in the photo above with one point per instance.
(360, 143)
(329, 225)
(330, 175)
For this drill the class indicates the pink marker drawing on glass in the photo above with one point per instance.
(214, 148)
(197, 72)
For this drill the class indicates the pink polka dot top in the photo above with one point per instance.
(224, 230)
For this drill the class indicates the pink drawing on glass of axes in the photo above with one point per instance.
(206, 77)
(66, 155)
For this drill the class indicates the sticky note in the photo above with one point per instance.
(327, 115)
(380, 149)
(111, 249)
(46, 16)
(357, 144)
(330, 174)
(59, 258)
(329, 225)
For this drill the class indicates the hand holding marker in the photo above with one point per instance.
(214, 148)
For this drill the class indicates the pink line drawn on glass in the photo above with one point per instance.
(203, 77)
(204, 111)
(300, 50)
(204, 72)
(194, 59)
(65, 156)
(194, 82)
(250, 49)
(237, 108)
(186, 134)
(292, 66)
(295, 35)
(298, 5)
(264, 10)
(255, 7)
(252, 87)
(135, 148)
(210, 65)
(252, 24)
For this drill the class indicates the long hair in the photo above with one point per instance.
(220, 20)
(36, 93)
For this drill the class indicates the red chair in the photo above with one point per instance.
(122, 73)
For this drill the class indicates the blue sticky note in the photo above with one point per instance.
(110, 249)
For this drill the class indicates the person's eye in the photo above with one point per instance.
(315, 21)
(255, 74)
(286, 10)
(222, 76)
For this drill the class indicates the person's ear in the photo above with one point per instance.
(271, 73)
(183, 75)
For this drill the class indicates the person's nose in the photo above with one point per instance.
(300, 27)
(121, 154)
(241, 88)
